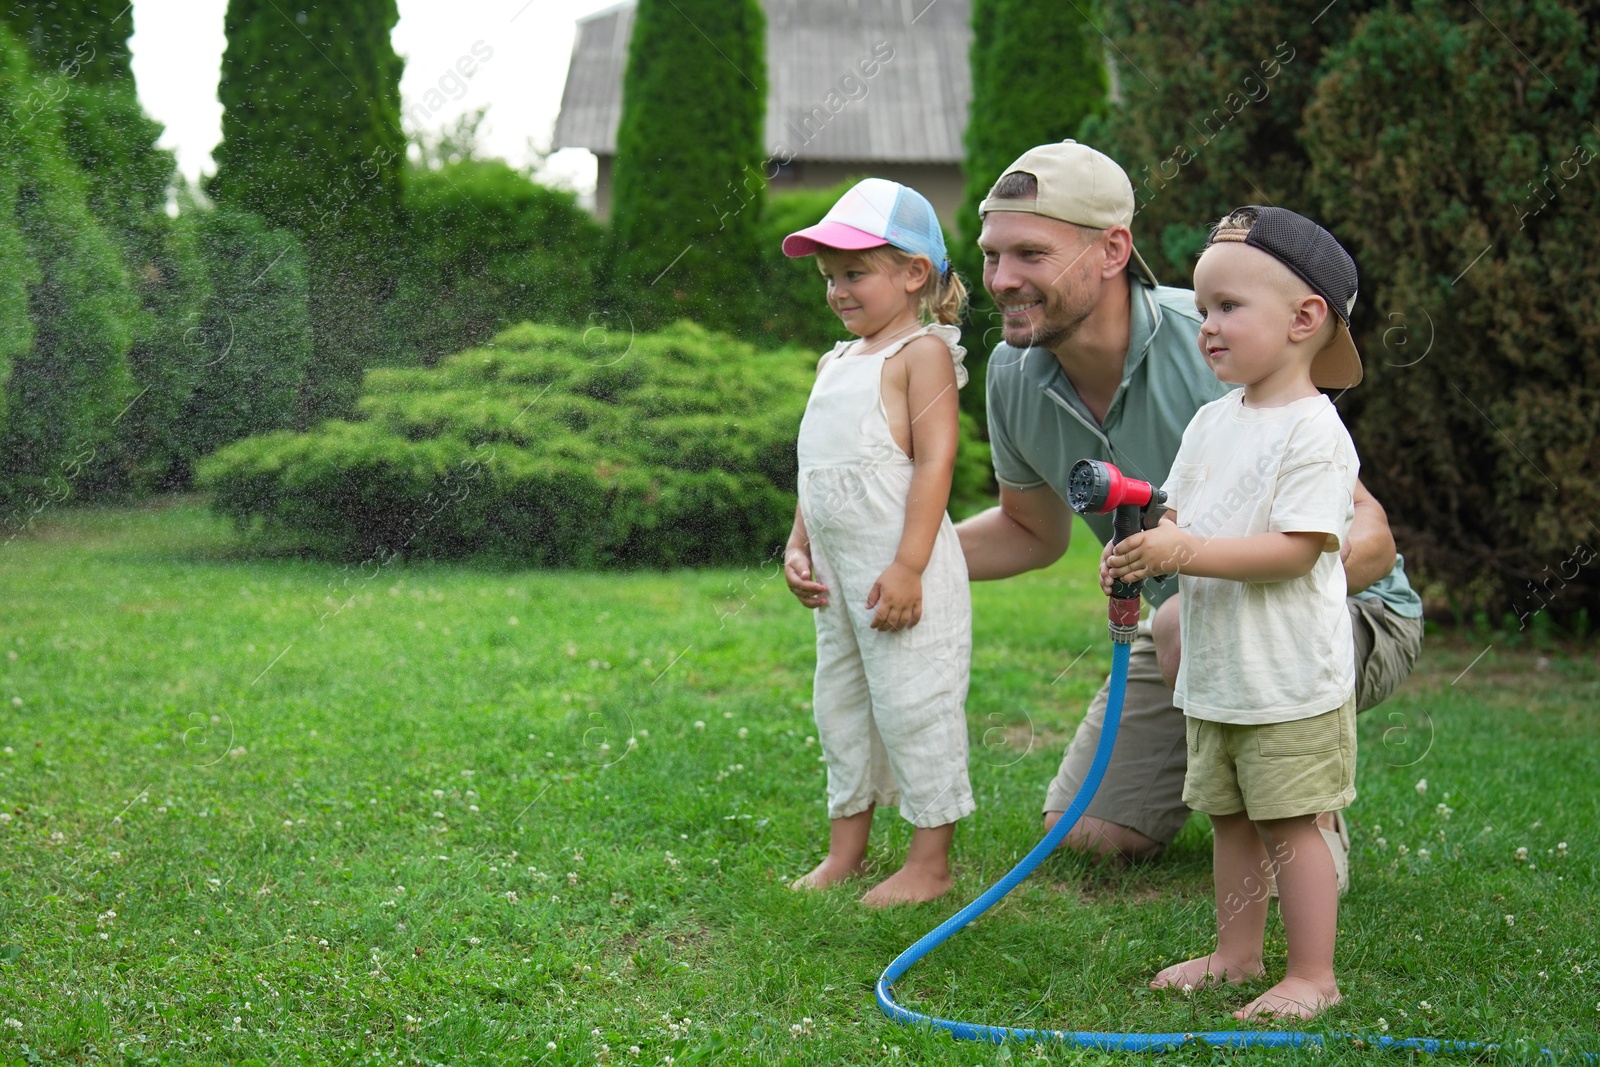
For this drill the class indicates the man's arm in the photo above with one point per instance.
(1030, 529)
(1368, 550)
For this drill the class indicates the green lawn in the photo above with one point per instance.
(278, 811)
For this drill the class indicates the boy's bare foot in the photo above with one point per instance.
(1206, 971)
(1292, 998)
(911, 884)
(828, 873)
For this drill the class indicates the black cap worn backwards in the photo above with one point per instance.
(1322, 263)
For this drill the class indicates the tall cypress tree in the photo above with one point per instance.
(311, 141)
(1037, 73)
(689, 183)
(84, 39)
(81, 50)
(1214, 95)
(66, 305)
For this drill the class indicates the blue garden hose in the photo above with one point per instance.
(1114, 1042)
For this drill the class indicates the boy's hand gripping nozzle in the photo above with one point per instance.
(1094, 487)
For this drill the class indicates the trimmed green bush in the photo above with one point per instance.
(488, 248)
(556, 447)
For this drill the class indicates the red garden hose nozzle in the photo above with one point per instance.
(1095, 487)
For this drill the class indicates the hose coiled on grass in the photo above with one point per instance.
(1107, 1041)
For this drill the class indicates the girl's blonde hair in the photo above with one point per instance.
(942, 299)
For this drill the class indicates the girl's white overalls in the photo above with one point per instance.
(889, 706)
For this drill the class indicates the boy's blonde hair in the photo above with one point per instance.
(942, 299)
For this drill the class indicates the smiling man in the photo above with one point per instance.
(1101, 362)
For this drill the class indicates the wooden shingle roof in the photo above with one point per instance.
(913, 109)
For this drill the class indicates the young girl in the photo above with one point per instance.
(872, 550)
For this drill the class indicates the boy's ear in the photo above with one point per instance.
(1310, 315)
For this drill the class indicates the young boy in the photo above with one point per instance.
(1262, 493)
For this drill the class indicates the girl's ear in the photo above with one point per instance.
(917, 273)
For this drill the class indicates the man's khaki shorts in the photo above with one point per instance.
(1273, 771)
(1143, 786)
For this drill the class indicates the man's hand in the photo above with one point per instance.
(1147, 554)
(797, 573)
(897, 594)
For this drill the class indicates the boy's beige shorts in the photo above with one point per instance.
(1143, 787)
(1273, 770)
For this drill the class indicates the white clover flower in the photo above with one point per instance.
(1522, 855)
(1383, 1024)
(1422, 786)
(1511, 920)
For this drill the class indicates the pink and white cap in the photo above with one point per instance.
(875, 212)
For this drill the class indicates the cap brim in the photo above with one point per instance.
(825, 235)
(1141, 269)
(1338, 365)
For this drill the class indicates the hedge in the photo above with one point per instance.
(553, 447)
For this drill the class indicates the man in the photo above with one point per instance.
(1099, 361)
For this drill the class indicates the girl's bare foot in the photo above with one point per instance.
(1292, 998)
(847, 853)
(1206, 971)
(911, 884)
(828, 873)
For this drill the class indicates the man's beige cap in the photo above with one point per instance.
(1079, 185)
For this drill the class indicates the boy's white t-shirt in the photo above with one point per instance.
(1265, 652)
